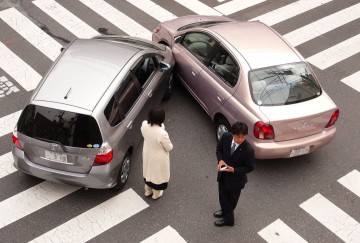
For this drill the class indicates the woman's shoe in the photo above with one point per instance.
(157, 194)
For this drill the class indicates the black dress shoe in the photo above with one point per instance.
(218, 214)
(221, 223)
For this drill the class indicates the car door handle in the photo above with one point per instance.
(219, 97)
(129, 125)
(193, 73)
(150, 93)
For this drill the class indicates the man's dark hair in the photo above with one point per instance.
(156, 116)
(239, 128)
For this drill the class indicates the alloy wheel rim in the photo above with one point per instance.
(221, 130)
(125, 168)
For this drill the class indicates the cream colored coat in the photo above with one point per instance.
(156, 160)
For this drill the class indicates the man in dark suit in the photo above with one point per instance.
(235, 159)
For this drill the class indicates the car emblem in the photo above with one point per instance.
(303, 124)
(54, 146)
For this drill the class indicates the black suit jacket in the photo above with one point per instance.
(243, 161)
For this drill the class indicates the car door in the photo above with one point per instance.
(190, 55)
(218, 81)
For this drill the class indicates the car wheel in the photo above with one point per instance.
(123, 172)
(222, 126)
(170, 87)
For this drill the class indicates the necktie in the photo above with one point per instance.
(233, 148)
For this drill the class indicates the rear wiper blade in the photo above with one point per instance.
(51, 141)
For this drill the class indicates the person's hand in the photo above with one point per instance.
(221, 164)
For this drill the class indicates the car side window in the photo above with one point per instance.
(225, 67)
(146, 69)
(199, 44)
(123, 99)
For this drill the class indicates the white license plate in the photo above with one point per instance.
(58, 157)
(300, 151)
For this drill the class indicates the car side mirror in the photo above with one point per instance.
(177, 39)
(164, 66)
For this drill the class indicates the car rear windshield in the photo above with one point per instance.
(283, 84)
(68, 128)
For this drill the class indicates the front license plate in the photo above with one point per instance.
(300, 151)
(58, 157)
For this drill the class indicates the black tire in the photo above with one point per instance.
(170, 88)
(221, 125)
(124, 172)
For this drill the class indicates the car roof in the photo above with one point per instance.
(84, 72)
(260, 45)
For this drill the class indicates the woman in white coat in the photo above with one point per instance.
(156, 160)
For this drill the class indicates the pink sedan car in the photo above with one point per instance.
(246, 71)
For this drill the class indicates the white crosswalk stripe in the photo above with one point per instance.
(234, 6)
(198, 7)
(333, 218)
(7, 123)
(352, 181)
(289, 11)
(118, 18)
(96, 220)
(65, 18)
(353, 81)
(152, 9)
(6, 164)
(336, 53)
(168, 234)
(324, 25)
(31, 32)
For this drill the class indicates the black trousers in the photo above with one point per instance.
(228, 201)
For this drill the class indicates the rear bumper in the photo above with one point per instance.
(100, 177)
(272, 150)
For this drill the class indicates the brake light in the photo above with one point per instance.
(263, 131)
(16, 140)
(333, 118)
(104, 155)
(157, 29)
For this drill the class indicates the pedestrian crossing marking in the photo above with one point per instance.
(6, 164)
(324, 25)
(166, 235)
(353, 81)
(336, 53)
(19, 70)
(8, 123)
(198, 7)
(32, 33)
(234, 6)
(279, 232)
(65, 18)
(96, 220)
(152, 9)
(333, 218)
(31, 200)
(351, 181)
(289, 11)
(119, 19)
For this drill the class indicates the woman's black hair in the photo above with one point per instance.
(156, 116)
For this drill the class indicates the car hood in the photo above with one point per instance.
(299, 120)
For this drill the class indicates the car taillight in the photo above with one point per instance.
(157, 29)
(15, 139)
(104, 155)
(333, 118)
(263, 131)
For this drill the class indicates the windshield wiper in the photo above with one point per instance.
(51, 141)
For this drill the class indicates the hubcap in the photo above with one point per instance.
(125, 168)
(221, 129)
(171, 80)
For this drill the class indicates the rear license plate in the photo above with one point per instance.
(300, 151)
(58, 157)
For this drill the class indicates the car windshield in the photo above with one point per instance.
(57, 126)
(283, 84)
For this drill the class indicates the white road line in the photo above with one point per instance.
(32, 33)
(153, 9)
(6, 165)
(27, 77)
(289, 11)
(167, 234)
(352, 180)
(353, 81)
(119, 19)
(96, 220)
(336, 53)
(67, 19)
(198, 7)
(7, 123)
(333, 218)
(279, 232)
(324, 25)
(236, 6)
(31, 200)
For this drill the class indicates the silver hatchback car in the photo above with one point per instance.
(82, 123)
(246, 71)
